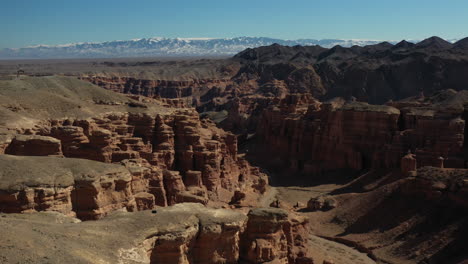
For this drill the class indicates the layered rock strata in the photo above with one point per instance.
(169, 154)
(74, 187)
(176, 158)
(374, 74)
(184, 233)
(271, 236)
(34, 145)
(314, 137)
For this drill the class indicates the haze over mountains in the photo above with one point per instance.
(168, 47)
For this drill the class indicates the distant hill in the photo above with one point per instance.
(165, 47)
(373, 73)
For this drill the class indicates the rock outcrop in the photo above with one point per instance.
(321, 203)
(195, 92)
(329, 136)
(447, 187)
(192, 160)
(271, 236)
(423, 216)
(184, 233)
(315, 137)
(34, 145)
(169, 155)
(181, 145)
(74, 187)
(255, 77)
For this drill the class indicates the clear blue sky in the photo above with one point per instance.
(30, 22)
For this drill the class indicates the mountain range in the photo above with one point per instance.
(169, 47)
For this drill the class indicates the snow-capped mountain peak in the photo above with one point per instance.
(160, 46)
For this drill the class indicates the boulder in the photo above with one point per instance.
(322, 203)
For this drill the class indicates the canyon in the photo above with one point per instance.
(171, 156)
(279, 154)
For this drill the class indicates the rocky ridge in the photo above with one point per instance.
(428, 228)
(158, 46)
(258, 77)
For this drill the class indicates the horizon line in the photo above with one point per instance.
(211, 38)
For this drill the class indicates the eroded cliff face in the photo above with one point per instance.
(185, 234)
(169, 154)
(314, 137)
(75, 187)
(272, 236)
(196, 92)
(177, 158)
(256, 77)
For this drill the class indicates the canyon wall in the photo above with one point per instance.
(182, 234)
(176, 158)
(374, 74)
(195, 92)
(312, 137)
(75, 187)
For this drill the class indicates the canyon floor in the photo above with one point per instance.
(281, 155)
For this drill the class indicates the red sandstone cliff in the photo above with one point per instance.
(313, 137)
(170, 154)
(177, 158)
(185, 234)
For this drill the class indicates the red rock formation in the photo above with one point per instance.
(313, 137)
(34, 199)
(183, 233)
(332, 136)
(175, 102)
(92, 200)
(193, 178)
(244, 95)
(147, 179)
(188, 150)
(87, 189)
(272, 236)
(156, 88)
(174, 186)
(265, 235)
(195, 234)
(144, 201)
(34, 145)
